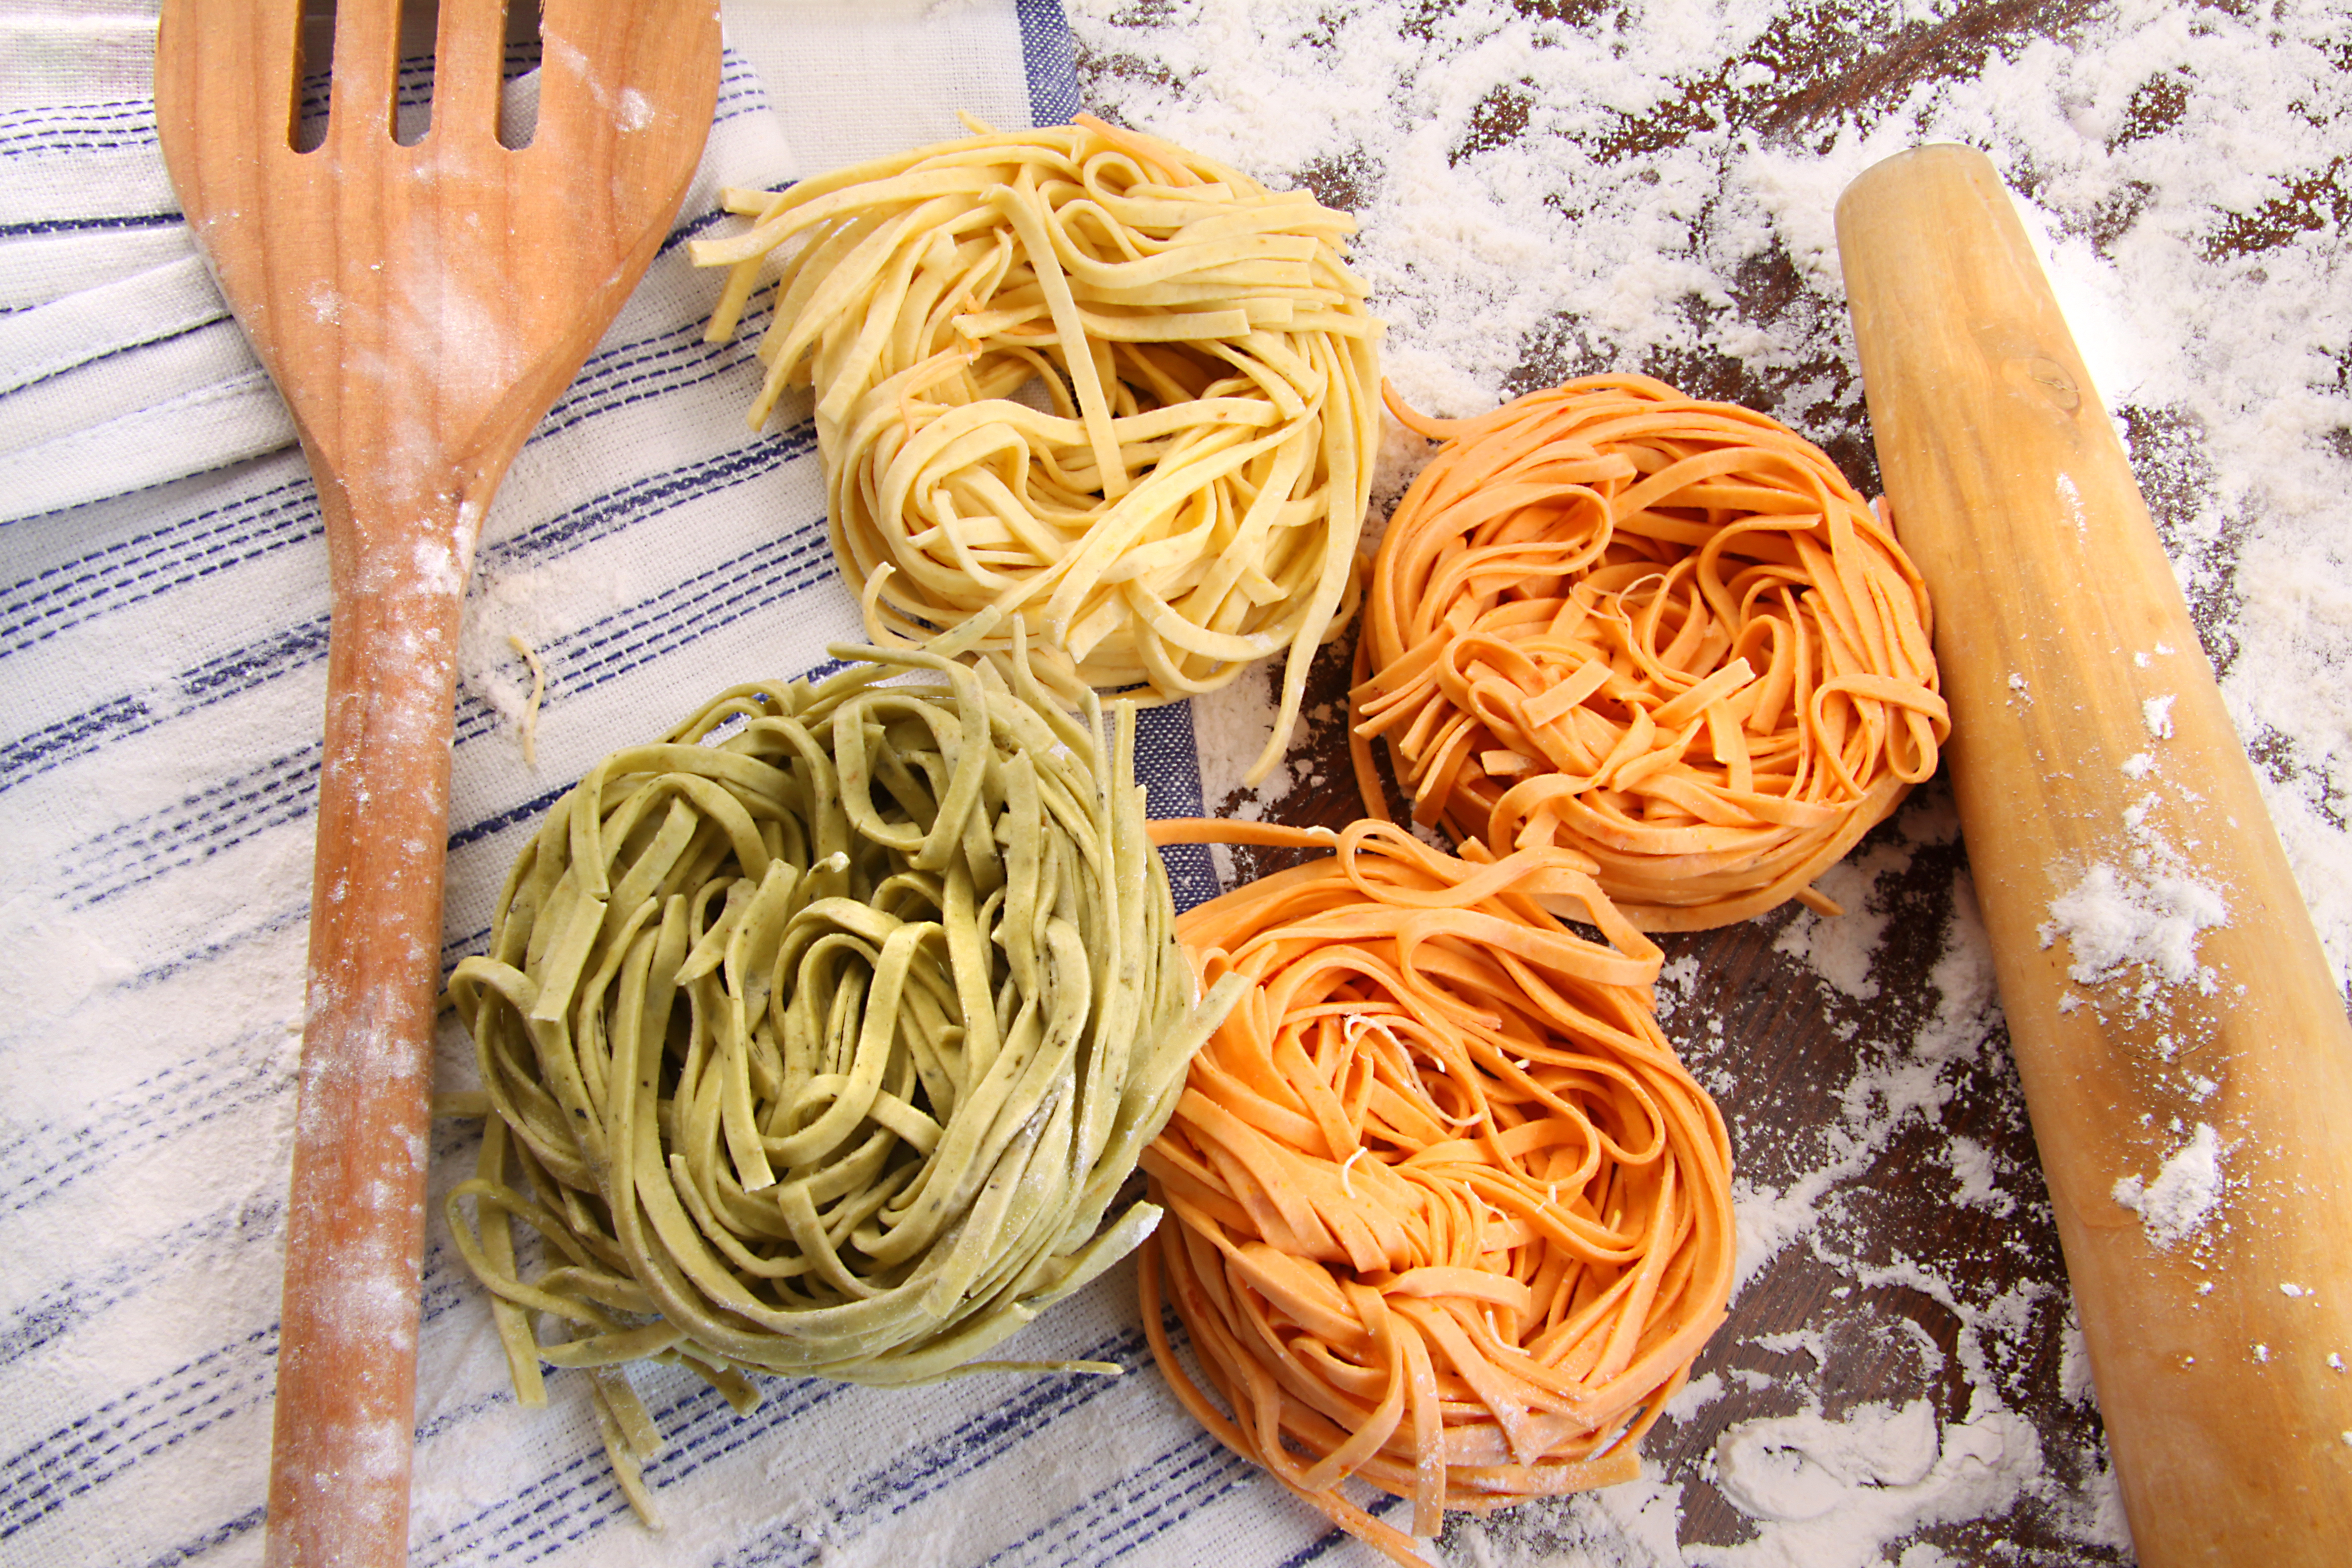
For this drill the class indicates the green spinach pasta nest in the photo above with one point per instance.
(825, 1033)
(1084, 379)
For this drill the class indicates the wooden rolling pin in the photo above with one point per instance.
(2174, 1021)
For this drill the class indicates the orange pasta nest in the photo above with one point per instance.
(1446, 1214)
(1665, 633)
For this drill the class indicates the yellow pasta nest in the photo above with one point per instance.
(1446, 1214)
(820, 1036)
(1666, 634)
(1084, 379)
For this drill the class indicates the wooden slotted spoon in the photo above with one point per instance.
(420, 307)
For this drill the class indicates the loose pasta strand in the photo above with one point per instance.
(1663, 633)
(1446, 1214)
(1181, 493)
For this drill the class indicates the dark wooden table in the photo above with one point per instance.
(1864, 1075)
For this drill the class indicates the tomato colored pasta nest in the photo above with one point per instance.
(1446, 1214)
(1664, 633)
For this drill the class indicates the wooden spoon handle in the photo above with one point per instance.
(2156, 964)
(355, 1226)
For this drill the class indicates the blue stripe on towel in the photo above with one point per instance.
(943, 1459)
(1168, 762)
(1144, 1506)
(702, 604)
(1050, 57)
(45, 1158)
(198, 687)
(285, 789)
(95, 1448)
(59, 1310)
(219, 1536)
(155, 561)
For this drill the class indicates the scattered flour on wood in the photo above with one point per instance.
(2115, 921)
(1230, 729)
(2184, 1194)
(1827, 1493)
(1976, 1179)
(1840, 948)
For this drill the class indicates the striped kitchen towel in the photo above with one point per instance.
(163, 640)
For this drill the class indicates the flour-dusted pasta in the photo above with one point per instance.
(1084, 379)
(1664, 633)
(820, 1036)
(1446, 1214)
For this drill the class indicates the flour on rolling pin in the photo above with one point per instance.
(2134, 927)
(2183, 1193)
(2184, 1055)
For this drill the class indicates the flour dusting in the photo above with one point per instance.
(2185, 1192)
(2115, 921)
(1827, 1492)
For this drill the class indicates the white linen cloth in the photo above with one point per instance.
(162, 642)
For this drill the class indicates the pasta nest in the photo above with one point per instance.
(1084, 379)
(1666, 634)
(820, 1036)
(1447, 1213)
